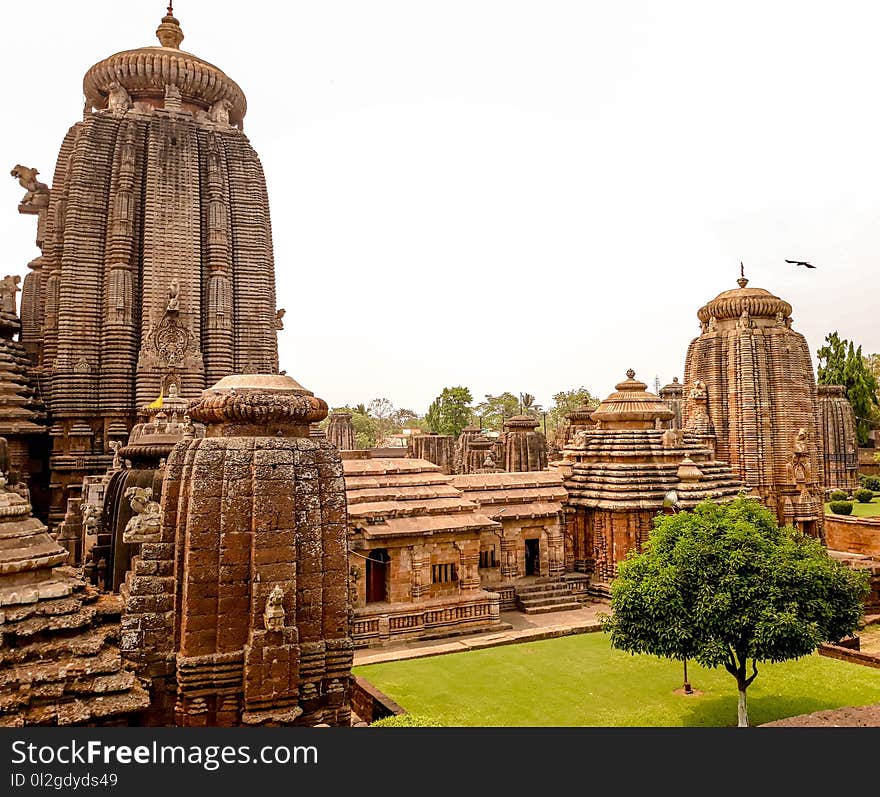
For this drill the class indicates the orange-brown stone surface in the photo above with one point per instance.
(750, 388)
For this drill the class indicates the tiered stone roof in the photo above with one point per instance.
(401, 497)
(627, 463)
(503, 496)
(59, 660)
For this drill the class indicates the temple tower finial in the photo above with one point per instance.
(742, 281)
(169, 32)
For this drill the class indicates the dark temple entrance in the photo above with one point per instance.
(377, 575)
(533, 559)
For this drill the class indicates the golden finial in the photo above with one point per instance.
(742, 281)
(630, 374)
(169, 32)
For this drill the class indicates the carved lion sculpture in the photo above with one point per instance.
(220, 111)
(37, 192)
(146, 524)
(118, 99)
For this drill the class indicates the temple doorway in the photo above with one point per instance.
(533, 557)
(377, 575)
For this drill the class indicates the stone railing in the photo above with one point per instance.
(379, 624)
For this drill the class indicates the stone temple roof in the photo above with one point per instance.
(405, 497)
(144, 73)
(756, 302)
(59, 661)
(631, 407)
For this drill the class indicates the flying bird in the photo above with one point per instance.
(800, 263)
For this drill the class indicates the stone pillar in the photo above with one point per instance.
(340, 431)
(509, 558)
(525, 448)
(469, 558)
(436, 448)
(556, 544)
(421, 572)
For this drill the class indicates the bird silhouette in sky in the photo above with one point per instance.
(800, 263)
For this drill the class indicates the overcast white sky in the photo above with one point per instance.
(523, 196)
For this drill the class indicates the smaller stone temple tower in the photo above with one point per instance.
(436, 448)
(839, 437)
(525, 448)
(340, 431)
(672, 395)
(238, 601)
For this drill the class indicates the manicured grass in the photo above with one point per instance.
(859, 509)
(580, 681)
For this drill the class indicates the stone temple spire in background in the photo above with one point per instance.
(157, 265)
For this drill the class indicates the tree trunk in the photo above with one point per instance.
(742, 713)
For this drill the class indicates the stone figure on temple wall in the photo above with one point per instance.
(219, 112)
(698, 391)
(146, 524)
(713, 324)
(37, 193)
(91, 515)
(780, 319)
(118, 99)
(115, 445)
(174, 296)
(273, 616)
(798, 468)
(8, 289)
(745, 320)
(279, 314)
(172, 97)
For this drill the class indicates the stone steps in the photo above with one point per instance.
(543, 597)
(564, 606)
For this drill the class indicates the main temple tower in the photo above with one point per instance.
(157, 272)
(750, 390)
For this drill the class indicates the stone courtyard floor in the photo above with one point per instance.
(523, 628)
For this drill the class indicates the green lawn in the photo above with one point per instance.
(580, 681)
(859, 509)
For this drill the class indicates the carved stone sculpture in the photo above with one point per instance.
(273, 616)
(219, 111)
(118, 99)
(279, 314)
(8, 289)
(37, 193)
(145, 524)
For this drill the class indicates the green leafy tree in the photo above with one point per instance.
(564, 402)
(528, 405)
(841, 363)
(450, 412)
(725, 585)
(494, 409)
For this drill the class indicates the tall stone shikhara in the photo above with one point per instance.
(841, 442)
(751, 390)
(157, 263)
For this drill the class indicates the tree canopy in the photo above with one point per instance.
(564, 402)
(725, 585)
(451, 411)
(494, 409)
(841, 363)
